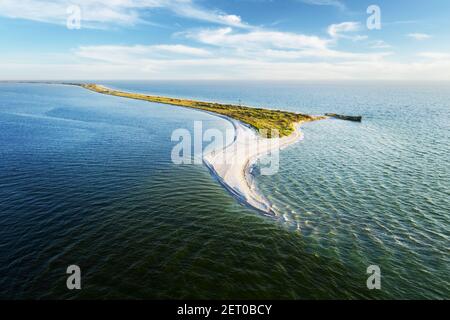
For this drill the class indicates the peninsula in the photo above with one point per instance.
(258, 118)
(231, 165)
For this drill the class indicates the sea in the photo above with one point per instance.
(88, 180)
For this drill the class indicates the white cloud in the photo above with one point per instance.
(419, 36)
(380, 44)
(322, 55)
(139, 54)
(341, 30)
(250, 54)
(232, 69)
(263, 45)
(182, 49)
(334, 3)
(97, 13)
(186, 8)
(229, 53)
(435, 55)
(232, 19)
(226, 37)
(236, 51)
(267, 44)
(335, 30)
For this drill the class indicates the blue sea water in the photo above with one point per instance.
(87, 179)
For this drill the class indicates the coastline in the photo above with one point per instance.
(265, 121)
(240, 156)
(231, 166)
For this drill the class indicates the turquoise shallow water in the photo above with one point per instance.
(87, 179)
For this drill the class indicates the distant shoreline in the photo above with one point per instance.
(263, 120)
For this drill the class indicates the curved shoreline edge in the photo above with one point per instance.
(231, 165)
(240, 156)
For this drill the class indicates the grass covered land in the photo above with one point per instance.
(258, 118)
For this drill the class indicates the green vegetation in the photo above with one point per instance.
(263, 120)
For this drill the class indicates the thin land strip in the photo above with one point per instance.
(263, 120)
(231, 165)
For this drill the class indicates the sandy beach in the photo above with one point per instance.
(232, 164)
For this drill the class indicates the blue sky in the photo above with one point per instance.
(224, 39)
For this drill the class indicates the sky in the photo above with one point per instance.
(225, 40)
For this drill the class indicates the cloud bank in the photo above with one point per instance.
(228, 49)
